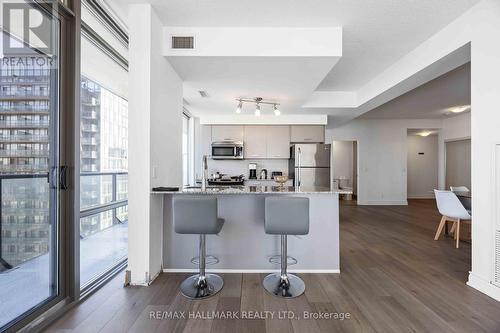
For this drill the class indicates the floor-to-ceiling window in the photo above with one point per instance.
(32, 86)
(187, 149)
(103, 149)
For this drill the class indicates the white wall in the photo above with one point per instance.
(155, 140)
(342, 162)
(485, 94)
(382, 153)
(422, 166)
(458, 127)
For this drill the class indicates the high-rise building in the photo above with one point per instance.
(24, 156)
(104, 145)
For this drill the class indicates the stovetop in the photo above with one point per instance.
(227, 181)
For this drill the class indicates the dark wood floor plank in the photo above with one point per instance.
(252, 293)
(202, 309)
(131, 310)
(228, 306)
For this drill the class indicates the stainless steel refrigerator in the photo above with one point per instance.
(309, 164)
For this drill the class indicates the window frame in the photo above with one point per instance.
(102, 45)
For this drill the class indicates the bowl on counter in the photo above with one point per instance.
(281, 180)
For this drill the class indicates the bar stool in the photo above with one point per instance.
(285, 216)
(198, 215)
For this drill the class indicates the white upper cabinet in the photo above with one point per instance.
(255, 142)
(267, 142)
(278, 142)
(307, 134)
(227, 133)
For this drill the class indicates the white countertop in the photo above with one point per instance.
(214, 190)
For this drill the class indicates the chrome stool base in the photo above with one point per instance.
(197, 287)
(287, 286)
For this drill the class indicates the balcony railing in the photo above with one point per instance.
(24, 153)
(24, 124)
(24, 138)
(24, 109)
(105, 207)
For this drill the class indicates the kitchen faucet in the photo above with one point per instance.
(204, 172)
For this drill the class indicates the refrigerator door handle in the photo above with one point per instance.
(299, 162)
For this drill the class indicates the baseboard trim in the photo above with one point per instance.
(421, 197)
(486, 287)
(225, 270)
(145, 283)
(382, 203)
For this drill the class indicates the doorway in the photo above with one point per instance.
(458, 163)
(422, 163)
(345, 168)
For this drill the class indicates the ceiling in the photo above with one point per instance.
(375, 35)
(288, 80)
(430, 100)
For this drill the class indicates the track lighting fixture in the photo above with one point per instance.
(258, 101)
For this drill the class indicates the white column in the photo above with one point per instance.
(155, 139)
(485, 120)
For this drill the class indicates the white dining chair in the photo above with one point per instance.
(452, 210)
(459, 189)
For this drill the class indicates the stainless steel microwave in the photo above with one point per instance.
(227, 150)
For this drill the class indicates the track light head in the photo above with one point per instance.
(257, 110)
(240, 105)
(277, 111)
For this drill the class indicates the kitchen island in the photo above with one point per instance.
(242, 245)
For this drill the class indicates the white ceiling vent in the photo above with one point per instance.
(183, 42)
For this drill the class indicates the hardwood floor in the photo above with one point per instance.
(394, 278)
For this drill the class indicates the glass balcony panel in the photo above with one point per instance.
(95, 190)
(103, 243)
(121, 187)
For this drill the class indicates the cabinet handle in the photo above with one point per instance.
(307, 139)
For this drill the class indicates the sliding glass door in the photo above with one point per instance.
(31, 176)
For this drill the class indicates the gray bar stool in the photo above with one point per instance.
(198, 215)
(285, 216)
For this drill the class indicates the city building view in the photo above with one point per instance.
(103, 155)
(24, 158)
